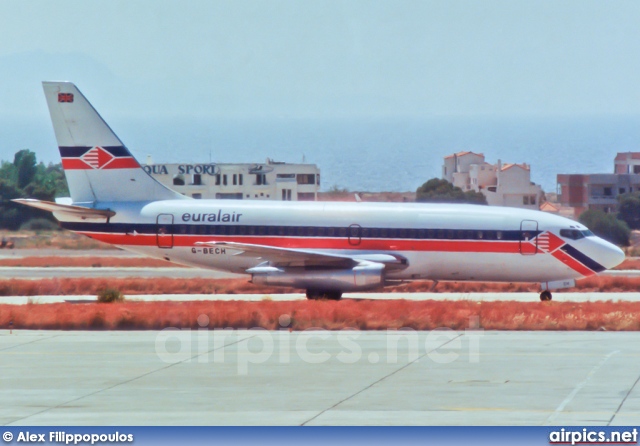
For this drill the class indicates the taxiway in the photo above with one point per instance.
(319, 378)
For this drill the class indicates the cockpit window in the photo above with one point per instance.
(575, 234)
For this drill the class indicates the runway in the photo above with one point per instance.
(474, 297)
(319, 378)
(36, 273)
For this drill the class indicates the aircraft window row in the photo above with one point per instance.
(352, 231)
(575, 234)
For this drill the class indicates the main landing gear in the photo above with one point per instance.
(324, 294)
(545, 296)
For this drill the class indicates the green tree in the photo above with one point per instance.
(629, 209)
(606, 226)
(25, 162)
(25, 178)
(437, 190)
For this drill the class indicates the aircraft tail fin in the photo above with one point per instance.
(97, 165)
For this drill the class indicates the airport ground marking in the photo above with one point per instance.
(133, 379)
(382, 379)
(579, 387)
(623, 401)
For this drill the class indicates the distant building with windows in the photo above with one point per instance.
(269, 181)
(501, 184)
(600, 190)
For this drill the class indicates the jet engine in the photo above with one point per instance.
(364, 276)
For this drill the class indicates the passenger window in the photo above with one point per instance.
(331, 232)
(342, 232)
(499, 235)
(321, 231)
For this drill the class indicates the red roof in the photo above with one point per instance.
(459, 154)
(509, 166)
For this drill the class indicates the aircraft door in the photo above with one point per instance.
(164, 231)
(355, 235)
(528, 240)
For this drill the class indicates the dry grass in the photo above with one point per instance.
(130, 286)
(362, 315)
(54, 240)
(629, 264)
(167, 285)
(86, 262)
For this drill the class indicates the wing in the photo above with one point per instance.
(69, 210)
(273, 257)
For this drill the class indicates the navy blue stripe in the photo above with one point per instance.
(582, 258)
(294, 231)
(77, 152)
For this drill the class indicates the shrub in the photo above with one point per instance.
(109, 295)
(606, 226)
(39, 224)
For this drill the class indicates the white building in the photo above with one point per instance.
(502, 185)
(269, 181)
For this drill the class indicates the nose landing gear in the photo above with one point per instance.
(545, 296)
(324, 294)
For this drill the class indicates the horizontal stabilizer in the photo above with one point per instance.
(74, 211)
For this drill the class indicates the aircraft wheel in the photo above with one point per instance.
(545, 296)
(322, 294)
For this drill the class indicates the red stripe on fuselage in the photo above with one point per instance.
(493, 246)
(572, 263)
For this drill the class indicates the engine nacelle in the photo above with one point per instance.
(359, 278)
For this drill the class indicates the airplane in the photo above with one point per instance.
(325, 248)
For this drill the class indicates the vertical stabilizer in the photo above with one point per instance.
(96, 163)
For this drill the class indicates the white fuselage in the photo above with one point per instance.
(438, 241)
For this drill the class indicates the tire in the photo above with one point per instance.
(324, 294)
(545, 296)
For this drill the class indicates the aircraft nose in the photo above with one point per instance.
(609, 255)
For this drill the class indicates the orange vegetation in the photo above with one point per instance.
(332, 315)
(86, 262)
(130, 286)
(167, 285)
(629, 264)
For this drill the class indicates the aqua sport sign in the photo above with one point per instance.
(185, 169)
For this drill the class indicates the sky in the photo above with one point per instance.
(325, 59)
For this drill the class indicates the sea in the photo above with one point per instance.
(364, 154)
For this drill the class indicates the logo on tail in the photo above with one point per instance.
(78, 158)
